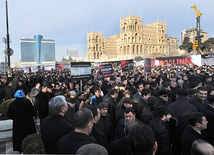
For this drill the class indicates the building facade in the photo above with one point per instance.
(37, 51)
(73, 53)
(192, 33)
(135, 39)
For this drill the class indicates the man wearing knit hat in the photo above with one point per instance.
(163, 97)
(161, 129)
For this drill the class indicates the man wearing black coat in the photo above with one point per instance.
(55, 126)
(163, 98)
(83, 124)
(199, 100)
(197, 123)
(162, 130)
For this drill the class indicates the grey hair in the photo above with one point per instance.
(56, 103)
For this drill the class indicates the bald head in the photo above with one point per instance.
(201, 147)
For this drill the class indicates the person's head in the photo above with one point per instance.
(91, 149)
(58, 105)
(96, 113)
(73, 94)
(83, 121)
(163, 94)
(173, 84)
(191, 92)
(85, 98)
(118, 79)
(103, 106)
(142, 140)
(128, 102)
(37, 85)
(97, 91)
(87, 89)
(50, 87)
(45, 88)
(146, 84)
(182, 92)
(20, 82)
(201, 93)
(71, 102)
(124, 81)
(129, 126)
(131, 79)
(185, 77)
(164, 113)
(198, 121)
(208, 78)
(114, 93)
(129, 114)
(146, 93)
(210, 89)
(77, 86)
(202, 147)
(180, 82)
(139, 87)
(152, 101)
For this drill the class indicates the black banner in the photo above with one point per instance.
(105, 69)
(80, 70)
(147, 65)
(127, 65)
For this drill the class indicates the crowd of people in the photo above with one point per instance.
(169, 111)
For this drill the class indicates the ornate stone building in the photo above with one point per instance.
(135, 39)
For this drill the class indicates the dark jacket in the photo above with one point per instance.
(23, 87)
(140, 103)
(104, 125)
(197, 103)
(70, 113)
(162, 136)
(8, 93)
(119, 132)
(34, 91)
(21, 111)
(53, 128)
(41, 104)
(147, 114)
(162, 102)
(94, 100)
(188, 137)
(120, 146)
(69, 144)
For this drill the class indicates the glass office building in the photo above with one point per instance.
(37, 51)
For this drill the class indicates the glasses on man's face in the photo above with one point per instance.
(165, 96)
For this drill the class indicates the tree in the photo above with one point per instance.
(138, 58)
(186, 45)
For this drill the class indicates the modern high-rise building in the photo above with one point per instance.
(73, 53)
(37, 51)
(135, 39)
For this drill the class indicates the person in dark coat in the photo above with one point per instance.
(83, 124)
(197, 123)
(104, 122)
(34, 91)
(21, 111)
(121, 146)
(208, 111)
(129, 114)
(55, 126)
(119, 104)
(163, 98)
(148, 112)
(71, 109)
(96, 132)
(162, 130)
(8, 91)
(22, 86)
(199, 100)
(181, 108)
(41, 103)
(85, 102)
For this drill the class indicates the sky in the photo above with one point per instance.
(69, 21)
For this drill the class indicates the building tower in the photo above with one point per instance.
(38, 47)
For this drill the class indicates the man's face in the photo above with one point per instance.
(98, 115)
(203, 125)
(118, 79)
(164, 97)
(147, 86)
(173, 85)
(132, 80)
(140, 88)
(104, 111)
(147, 96)
(209, 79)
(125, 82)
(167, 119)
(98, 93)
(129, 117)
(180, 83)
(185, 78)
(202, 94)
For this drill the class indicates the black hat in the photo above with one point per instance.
(71, 100)
(152, 101)
(163, 110)
(163, 91)
(103, 105)
(112, 78)
(210, 98)
(128, 100)
(121, 85)
(182, 92)
(146, 83)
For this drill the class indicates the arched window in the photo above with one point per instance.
(97, 47)
(94, 55)
(96, 39)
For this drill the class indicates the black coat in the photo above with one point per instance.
(8, 93)
(140, 104)
(147, 114)
(209, 114)
(21, 111)
(196, 102)
(52, 129)
(162, 136)
(188, 137)
(99, 136)
(120, 146)
(105, 125)
(23, 87)
(41, 104)
(69, 144)
(70, 113)
(162, 102)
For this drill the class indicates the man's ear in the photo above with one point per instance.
(90, 125)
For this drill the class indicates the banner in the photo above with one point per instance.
(127, 65)
(26, 70)
(207, 59)
(105, 69)
(80, 70)
(61, 66)
(147, 65)
(34, 69)
(48, 68)
(180, 60)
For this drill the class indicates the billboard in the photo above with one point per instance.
(80, 70)
(208, 59)
(127, 65)
(147, 65)
(105, 69)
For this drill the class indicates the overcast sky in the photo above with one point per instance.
(68, 21)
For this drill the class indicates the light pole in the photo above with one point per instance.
(8, 42)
